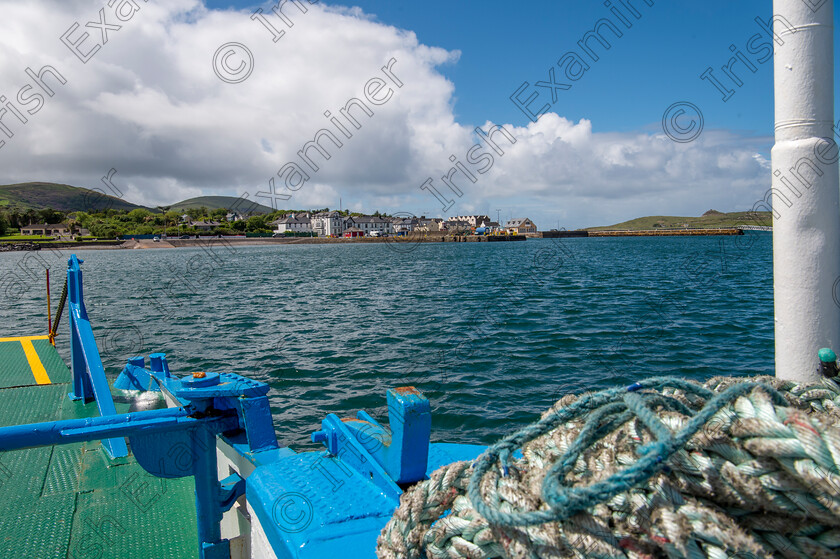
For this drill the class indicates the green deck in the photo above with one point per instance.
(71, 501)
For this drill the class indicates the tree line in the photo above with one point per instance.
(110, 223)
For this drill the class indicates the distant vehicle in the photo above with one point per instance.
(156, 239)
(184, 237)
(375, 234)
(279, 235)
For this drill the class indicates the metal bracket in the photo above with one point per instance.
(387, 458)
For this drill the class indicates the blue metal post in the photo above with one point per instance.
(89, 381)
(207, 507)
(81, 385)
(158, 364)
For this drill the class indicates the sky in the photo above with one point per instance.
(427, 108)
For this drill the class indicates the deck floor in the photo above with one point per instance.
(71, 501)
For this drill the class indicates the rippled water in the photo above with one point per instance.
(492, 333)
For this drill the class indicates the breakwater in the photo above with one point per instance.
(641, 233)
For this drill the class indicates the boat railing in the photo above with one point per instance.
(89, 380)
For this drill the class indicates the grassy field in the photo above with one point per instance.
(25, 238)
(712, 221)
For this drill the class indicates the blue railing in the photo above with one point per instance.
(89, 380)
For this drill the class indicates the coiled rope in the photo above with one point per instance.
(664, 468)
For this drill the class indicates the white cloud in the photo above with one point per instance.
(149, 104)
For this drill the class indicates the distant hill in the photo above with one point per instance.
(710, 219)
(61, 197)
(216, 202)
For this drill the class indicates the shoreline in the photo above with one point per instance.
(253, 241)
(18, 246)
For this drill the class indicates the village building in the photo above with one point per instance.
(328, 224)
(472, 220)
(47, 230)
(430, 225)
(520, 226)
(293, 223)
(457, 226)
(406, 225)
(205, 225)
(369, 224)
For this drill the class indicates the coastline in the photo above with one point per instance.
(400, 241)
(252, 241)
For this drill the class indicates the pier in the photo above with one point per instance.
(668, 233)
(641, 233)
(482, 238)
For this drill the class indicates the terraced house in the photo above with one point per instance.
(369, 224)
(297, 223)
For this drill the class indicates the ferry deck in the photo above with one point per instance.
(72, 501)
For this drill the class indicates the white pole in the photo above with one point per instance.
(806, 188)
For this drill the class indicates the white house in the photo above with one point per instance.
(368, 224)
(293, 223)
(472, 220)
(328, 224)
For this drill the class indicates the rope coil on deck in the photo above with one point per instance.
(664, 468)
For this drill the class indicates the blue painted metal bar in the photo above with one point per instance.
(207, 493)
(89, 381)
(69, 431)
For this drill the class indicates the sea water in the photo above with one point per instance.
(491, 333)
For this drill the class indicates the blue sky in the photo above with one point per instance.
(153, 106)
(656, 63)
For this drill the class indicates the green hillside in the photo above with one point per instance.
(226, 202)
(711, 219)
(61, 197)
(66, 198)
